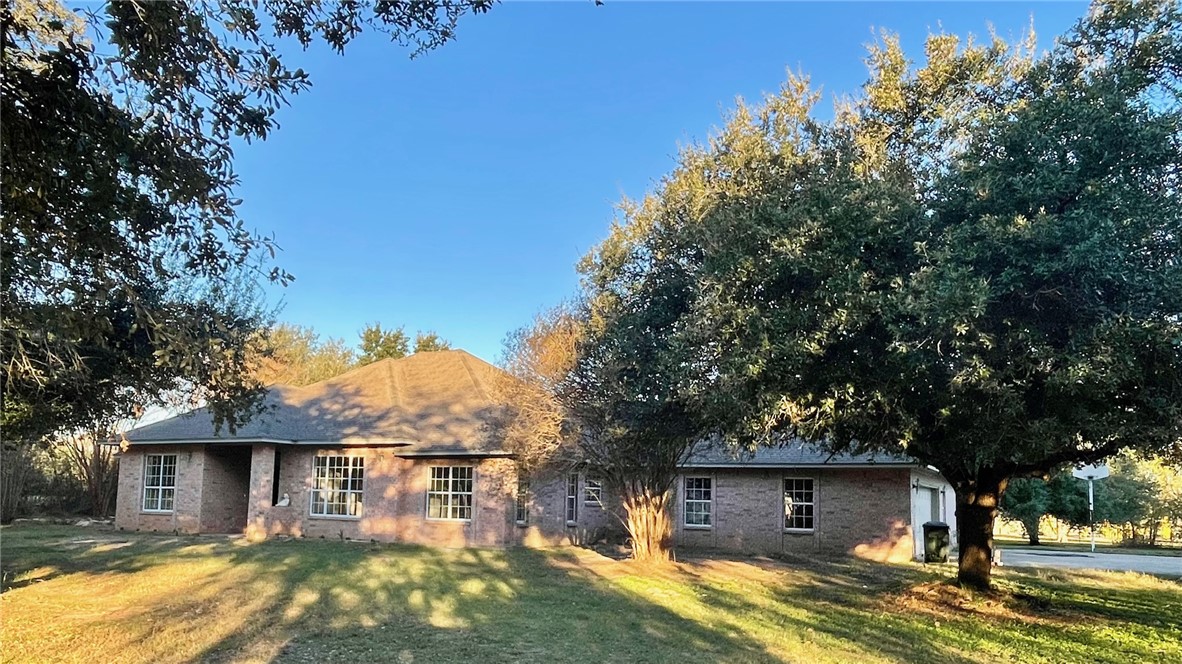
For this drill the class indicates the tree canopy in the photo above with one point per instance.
(975, 263)
(122, 235)
(426, 342)
(289, 354)
(378, 344)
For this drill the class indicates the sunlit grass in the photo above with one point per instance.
(78, 595)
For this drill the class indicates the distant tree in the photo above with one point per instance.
(92, 461)
(426, 342)
(1025, 501)
(120, 120)
(1067, 499)
(975, 263)
(378, 344)
(293, 355)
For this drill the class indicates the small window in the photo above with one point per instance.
(572, 498)
(593, 492)
(159, 482)
(338, 482)
(449, 497)
(799, 503)
(275, 479)
(698, 498)
(522, 502)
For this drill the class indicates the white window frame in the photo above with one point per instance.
(521, 503)
(593, 492)
(452, 484)
(697, 500)
(348, 485)
(784, 504)
(572, 499)
(160, 486)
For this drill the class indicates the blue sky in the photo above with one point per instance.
(456, 191)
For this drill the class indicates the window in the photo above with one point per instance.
(698, 496)
(593, 492)
(450, 495)
(522, 502)
(337, 484)
(275, 480)
(799, 503)
(572, 498)
(159, 482)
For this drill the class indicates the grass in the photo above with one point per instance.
(84, 595)
(1165, 549)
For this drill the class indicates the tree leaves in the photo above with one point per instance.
(126, 269)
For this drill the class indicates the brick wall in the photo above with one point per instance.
(865, 512)
(548, 525)
(186, 514)
(394, 499)
(224, 489)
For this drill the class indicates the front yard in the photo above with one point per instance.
(86, 595)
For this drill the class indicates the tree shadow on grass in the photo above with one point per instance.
(196, 598)
(218, 600)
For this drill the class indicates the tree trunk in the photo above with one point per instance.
(1031, 526)
(976, 509)
(648, 523)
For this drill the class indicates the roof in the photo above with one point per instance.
(433, 403)
(795, 453)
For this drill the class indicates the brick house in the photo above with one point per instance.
(404, 450)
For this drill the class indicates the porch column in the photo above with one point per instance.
(262, 472)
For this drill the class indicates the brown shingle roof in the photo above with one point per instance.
(433, 403)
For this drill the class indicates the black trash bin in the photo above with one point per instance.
(936, 542)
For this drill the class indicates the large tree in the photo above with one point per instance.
(116, 156)
(602, 386)
(975, 263)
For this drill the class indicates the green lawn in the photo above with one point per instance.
(1165, 549)
(86, 595)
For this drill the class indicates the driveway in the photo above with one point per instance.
(1120, 562)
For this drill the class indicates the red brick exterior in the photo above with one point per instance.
(230, 489)
(865, 512)
(186, 515)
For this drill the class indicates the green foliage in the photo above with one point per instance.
(378, 344)
(293, 355)
(123, 248)
(426, 342)
(1026, 500)
(974, 264)
(1067, 498)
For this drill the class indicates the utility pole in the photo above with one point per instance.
(1091, 473)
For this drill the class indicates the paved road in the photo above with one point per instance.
(1012, 557)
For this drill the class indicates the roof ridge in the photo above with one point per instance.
(479, 384)
(394, 385)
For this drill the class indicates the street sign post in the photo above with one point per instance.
(1091, 473)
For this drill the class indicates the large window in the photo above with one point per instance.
(522, 504)
(698, 498)
(593, 492)
(159, 482)
(450, 494)
(799, 503)
(337, 485)
(572, 498)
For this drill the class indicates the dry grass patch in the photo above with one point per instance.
(79, 595)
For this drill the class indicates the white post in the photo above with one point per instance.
(1091, 519)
